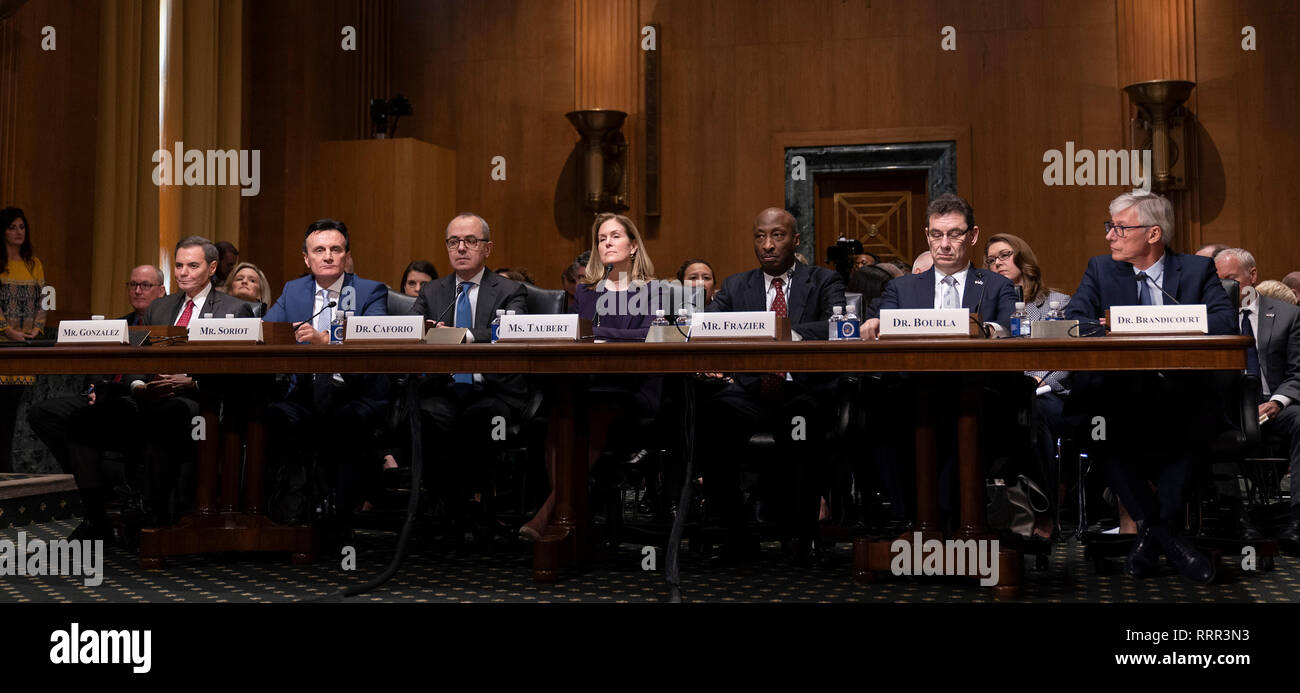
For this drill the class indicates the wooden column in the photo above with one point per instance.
(1157, 40)
(607, 72)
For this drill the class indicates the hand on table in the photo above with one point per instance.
(306, 334)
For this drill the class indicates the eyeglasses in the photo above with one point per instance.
(953, 234)
(470, 242)
(141, 286)
(1003, 256)
(1122, 230)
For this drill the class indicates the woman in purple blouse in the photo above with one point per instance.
(615, 295)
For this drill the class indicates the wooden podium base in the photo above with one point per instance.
(224, 532)
(873, 558)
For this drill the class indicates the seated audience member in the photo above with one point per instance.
(697, 272)
(922, 263)
(738, 407)
(1211, 250)
(569, 278)
(1137, 407)
(334, 415)
(1292, 281)
(458, 409)
(892, 268)
(1275, 360)
(145, 286)
(952, 282)
(229, 257)
(1011, 257)
(618, 295)
(864, 260)
(870, 281)
(248, 283)
(517, 274)
(1277, 291)
(415, 276)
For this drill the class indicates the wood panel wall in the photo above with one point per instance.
(47, 137)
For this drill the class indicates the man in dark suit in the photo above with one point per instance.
(459, 409)
(750, 402)
(952, 282)
(1136, 408)
(1275, 360)
(331, 414)
(144, 287)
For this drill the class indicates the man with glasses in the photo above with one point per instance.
(145, 286)
(459, 409)
(952, 282)
(1139, 409)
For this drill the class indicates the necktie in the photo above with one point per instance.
(770, 383)
(326, 315)
(950, 293)
(1252, 353)
(778, 301)
(464, 318)
(185, 315)
(1144, 292)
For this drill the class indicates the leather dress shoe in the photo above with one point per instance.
(1144, 553)
(1289, 538)
(1185, 558)
(1247, 531)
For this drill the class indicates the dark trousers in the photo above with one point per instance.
(463, 429)
(799, 468)
(1286, 425)
(338, 430)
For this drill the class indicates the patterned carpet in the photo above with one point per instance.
(441, 573)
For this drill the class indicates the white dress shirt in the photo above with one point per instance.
(961, 286)
(199, 302)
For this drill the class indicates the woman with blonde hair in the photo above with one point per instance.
(1276, 290)
(247, 282)
(618, 295)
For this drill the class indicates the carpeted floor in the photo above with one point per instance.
(437, 573)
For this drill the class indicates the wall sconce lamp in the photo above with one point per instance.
(1163, 126)
(604, 158)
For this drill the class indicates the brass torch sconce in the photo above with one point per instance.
(1163, 125)
(604, 158)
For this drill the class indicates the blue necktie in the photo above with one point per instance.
(1252, 353)
(1144, 293)
(464, 318)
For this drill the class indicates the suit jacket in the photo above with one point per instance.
(1190, 279)
(496, 293)
(297, 304)
(988, 293)
(1278, 342)
(297, 300)
(165, 310)
(814, 291)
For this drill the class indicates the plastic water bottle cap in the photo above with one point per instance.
(838, 310)
(1020, 305)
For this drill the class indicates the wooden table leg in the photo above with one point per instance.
(566, 453)
(206, 488)
(969, 464)
(927, 474)
(254, 467)
(232, 448)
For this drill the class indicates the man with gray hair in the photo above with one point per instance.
(1138, 408)
(146, 285)
(1275, 361)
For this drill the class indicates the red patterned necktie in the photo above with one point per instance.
(185, 316)
(771, 382)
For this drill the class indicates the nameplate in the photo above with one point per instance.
(226, 330)
(925, 322)
(1159, 319)
(386, 328)
(515, 328)
(736, 325)
(93, 332)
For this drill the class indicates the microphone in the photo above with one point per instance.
(331, 304)
(1138, 278)
(459, 288)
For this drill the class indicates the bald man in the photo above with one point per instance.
(747, 403)
(923, 263)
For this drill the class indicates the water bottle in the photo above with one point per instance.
(496, 324)
(850, 328)
(684, 319)
(1055, 312)
(1020, 321)
(337, 327)
(837, 317)
(660, 320)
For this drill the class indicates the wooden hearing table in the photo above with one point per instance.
(562, 544)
